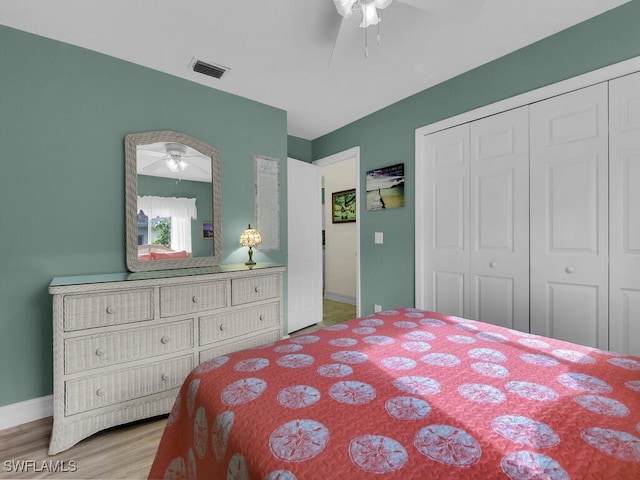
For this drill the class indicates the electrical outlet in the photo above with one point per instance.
(377, 308)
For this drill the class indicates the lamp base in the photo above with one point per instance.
(250, 261)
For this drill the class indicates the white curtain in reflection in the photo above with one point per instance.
(168, 207)
(181, 234)
(180, 210)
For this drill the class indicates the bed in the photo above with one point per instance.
(159, 252)
(407, 394)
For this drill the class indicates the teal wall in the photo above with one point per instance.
(299, 148)
(387, 136)
(64, 113)
(201, 191)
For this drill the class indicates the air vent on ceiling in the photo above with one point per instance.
(216, 71)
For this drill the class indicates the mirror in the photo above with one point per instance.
(173, 202)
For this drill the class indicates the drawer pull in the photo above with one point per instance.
(194, 299)
(111, 310)
(262, 317)
(257, 289)
(100, 352)
(165, 376)
(493, 264)
(570, 269)
(222, 327)
(165, 339)
(100, 392)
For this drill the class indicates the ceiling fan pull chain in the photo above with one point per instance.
(366, 44)
(378, 37)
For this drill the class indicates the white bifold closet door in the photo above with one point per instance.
(499, 219)
(446, 183)
(569, 217)
(624, 214)
(477, 220)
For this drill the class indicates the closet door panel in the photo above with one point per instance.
(446, 222)
(624, 214)
(499, 219)
(574, 309)
(493, 299)
(569, 216)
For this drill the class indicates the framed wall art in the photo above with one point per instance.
(343, 206)
(207, 230)
(385, 187)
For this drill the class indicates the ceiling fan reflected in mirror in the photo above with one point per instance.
(167, 159)
(175, 157)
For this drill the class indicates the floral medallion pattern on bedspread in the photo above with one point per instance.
(408, 394)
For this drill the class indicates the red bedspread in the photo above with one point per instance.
(408, 394)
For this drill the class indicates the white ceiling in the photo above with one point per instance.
(278, 51)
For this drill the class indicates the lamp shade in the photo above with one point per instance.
(250, 237)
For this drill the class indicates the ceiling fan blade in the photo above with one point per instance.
(462, 9)
(202, 170)
(333, 47)
(151, 167)
(349, 33)
(152, 153)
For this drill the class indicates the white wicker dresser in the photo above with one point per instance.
(123, 343)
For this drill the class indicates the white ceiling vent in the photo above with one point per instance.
(215, 71)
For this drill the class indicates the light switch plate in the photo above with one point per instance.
(379, 237)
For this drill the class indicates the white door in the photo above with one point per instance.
(624, 214)
(304, 226)
(446, 176)
(499, 219)
(569, 231)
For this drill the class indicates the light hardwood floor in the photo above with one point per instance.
(124, 452)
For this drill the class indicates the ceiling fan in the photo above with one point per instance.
(155, 159)
(412, 11)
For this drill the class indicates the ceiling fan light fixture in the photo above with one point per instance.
(345, 7)
(369, 15)
(369, 9)
(176, 166)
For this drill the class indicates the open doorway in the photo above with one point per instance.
(341, 235)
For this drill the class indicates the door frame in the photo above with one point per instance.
(353, 152)
(603, 74)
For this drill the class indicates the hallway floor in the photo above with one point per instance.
(336, 312)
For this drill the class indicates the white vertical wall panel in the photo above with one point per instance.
(569, 216)
(624, 214)
(499, 219)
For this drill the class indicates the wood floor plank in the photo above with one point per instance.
(124, 452)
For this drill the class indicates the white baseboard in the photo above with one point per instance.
(340, 298)
(25, 412)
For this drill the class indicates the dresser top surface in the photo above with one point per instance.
(155, 275)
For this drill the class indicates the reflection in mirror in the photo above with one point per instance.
(173, 202)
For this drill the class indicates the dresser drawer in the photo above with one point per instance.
(92, 351)
(251, 342)
(192, 298)
(214, 328)
(252, 289)
(103, 309)
(116, 387)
